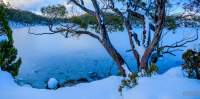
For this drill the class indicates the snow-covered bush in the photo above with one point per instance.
(192, 63)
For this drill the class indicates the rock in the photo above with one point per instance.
(82, 80)
(52, 83)
(70, 82)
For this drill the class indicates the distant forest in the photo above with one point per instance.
(29, 18)
(26, 17)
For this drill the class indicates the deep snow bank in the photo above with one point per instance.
(170, 85)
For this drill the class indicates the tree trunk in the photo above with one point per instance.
(120, 62)
(131, 41)
(145, 59)
(105, 41)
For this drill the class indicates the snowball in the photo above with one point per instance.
(52, 83)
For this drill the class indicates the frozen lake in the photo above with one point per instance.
(49, 56)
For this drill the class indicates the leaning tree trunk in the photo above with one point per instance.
(131, 36)
(120, 62)
(105, 41)
(122, 66)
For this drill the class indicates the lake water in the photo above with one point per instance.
(49, 56)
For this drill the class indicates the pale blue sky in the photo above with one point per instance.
(35, 5)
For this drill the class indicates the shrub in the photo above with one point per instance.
(153, 69)
(8, 53)
(192, 63)
(128, 82)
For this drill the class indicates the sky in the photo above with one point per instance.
(35, 5)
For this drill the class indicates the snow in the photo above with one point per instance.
(142, 73)
(3, 38)
(102, 19)
(52, 83)
(170, 85)
(140, 50)
(126, 15)
(127, 71)
(147, 22)
(103, 89)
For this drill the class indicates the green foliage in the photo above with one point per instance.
(79, 21)
(192, 63)
(170, 23)
(24, 17)
(8, 53)
(153, 69)
(112, 22)
(54, 11)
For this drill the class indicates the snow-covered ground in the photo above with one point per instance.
(53, 56)
(170, 85)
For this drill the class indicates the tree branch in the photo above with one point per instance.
(83, 7)
(66, 30)
(183, 42)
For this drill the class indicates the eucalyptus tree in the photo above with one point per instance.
(74, 28)
(146, 46)
(152, 15)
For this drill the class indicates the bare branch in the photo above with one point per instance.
(83, 7)
(29, 31)
(183, 42)
(65, 29)
(170, 49)
(171, 52)
(111, 5)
